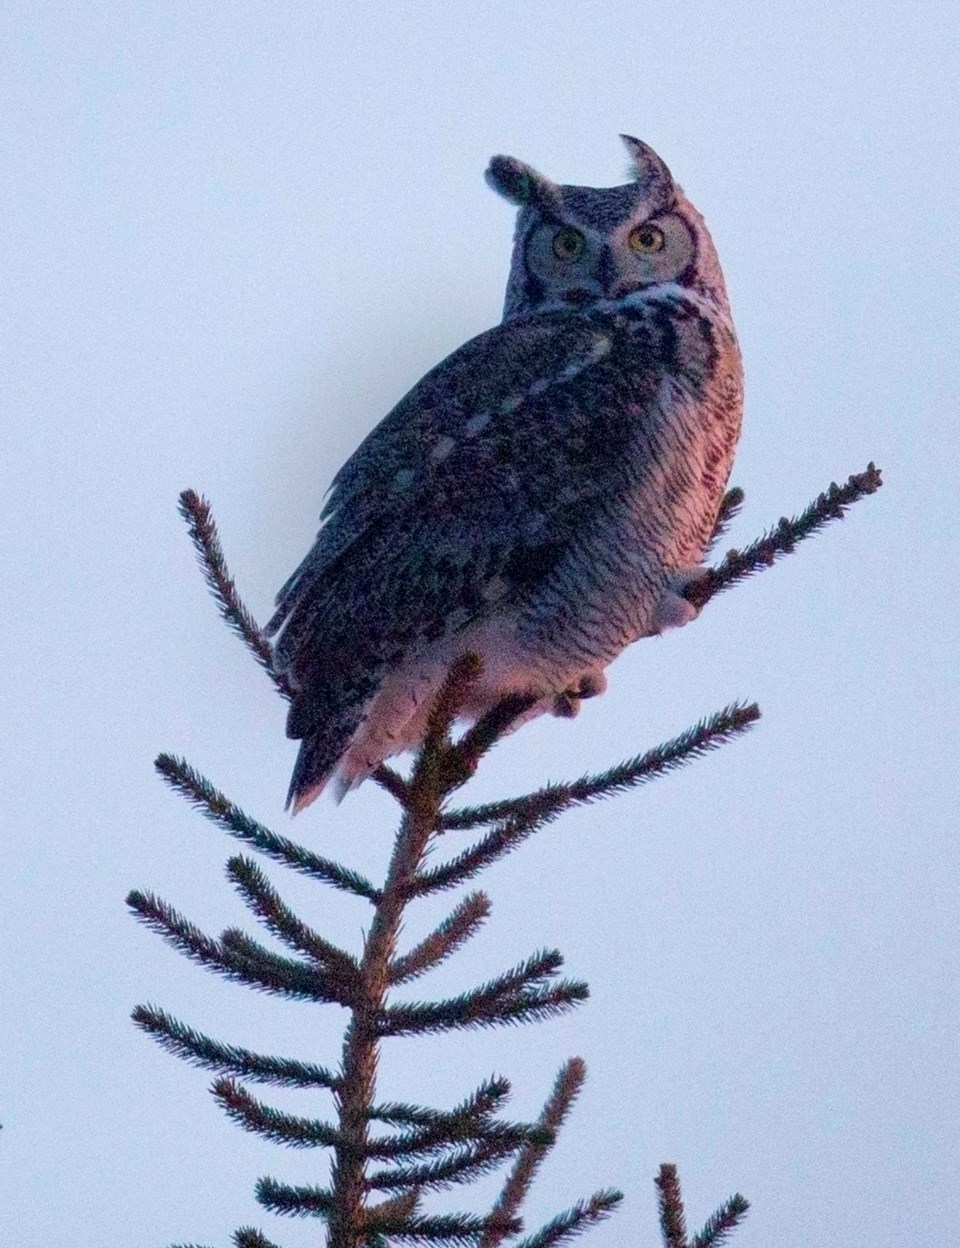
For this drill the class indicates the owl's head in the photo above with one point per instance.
(578, 245)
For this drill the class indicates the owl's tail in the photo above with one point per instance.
(316, 763)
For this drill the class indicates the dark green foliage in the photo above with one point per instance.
(536, 809)
(419, 1148)
(257, 891)
(201, 793)
(488, 1097)
(730, 508)
(200, 1050)
(247, 1237)
(463, 922)
(524, 993)
(782, 539)
(673, 1223)
(572, 1221)
(235, 955)
(206, 541)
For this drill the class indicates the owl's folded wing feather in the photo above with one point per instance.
(459, 503)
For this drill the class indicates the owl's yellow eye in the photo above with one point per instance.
(644, 239)
(568, 243)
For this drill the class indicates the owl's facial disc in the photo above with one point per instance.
(577, 264)
(577, 244)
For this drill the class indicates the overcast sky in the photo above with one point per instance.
(234, 235)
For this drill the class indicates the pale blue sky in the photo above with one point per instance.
(234, 235)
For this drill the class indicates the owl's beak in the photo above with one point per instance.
(611, 280)
(607, 272)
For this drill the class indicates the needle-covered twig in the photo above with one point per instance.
(401, 1149)
(782, 539)
(673, 1222)
(206, 540)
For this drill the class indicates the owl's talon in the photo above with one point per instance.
(566, 705)
(592, 685)
(674, 609)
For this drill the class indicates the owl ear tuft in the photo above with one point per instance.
(645, 165)
(520, 184)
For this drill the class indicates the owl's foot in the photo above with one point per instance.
(566, 705)
(674, 610)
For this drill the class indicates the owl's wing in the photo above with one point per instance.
(460, 501)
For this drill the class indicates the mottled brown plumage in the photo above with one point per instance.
(539, 497)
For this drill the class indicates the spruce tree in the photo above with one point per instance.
(386, 1156)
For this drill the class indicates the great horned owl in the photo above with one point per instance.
(540, 497)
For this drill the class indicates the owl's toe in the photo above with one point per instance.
(674, 609)
(592, 685)
(566, 705)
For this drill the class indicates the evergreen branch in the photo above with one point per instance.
(489, 1139)
(783, 537)
(565, 1226)
(206, 541)
(526, 1007)
(262, 970)
(183, 1042)
(719, 1225)
(504, 999)
(463, 674)
(427, 1141)
(673, 1222)
(565, 1090)
(469, 1121)
(289, 976)
(500, 841)
(730, 508)
(452, 1228)
(465, 1163)
(393, 783)
(185, 936)
(263, 899)
(401, 1114)
(546, 803)
(250, 1237)
(402, 1207)
(273, 1124)
(428, 1149)
(430, 780)
(190, 784)
(484, 1101)
(488, 730)
(446, 938)
(305, 1202)
(535, 970)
